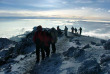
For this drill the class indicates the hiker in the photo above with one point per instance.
(59, 31)
(80, 29)
(58, 28)
(66, 29)
(72, 30)
(47, 41)
(75, 31)
(38, 40)
(53, 33)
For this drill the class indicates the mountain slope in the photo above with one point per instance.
(75, 55)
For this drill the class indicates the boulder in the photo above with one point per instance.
(105, 58)
(107, 45)
(86, 46)
(98, 44)
(73, 52)
(22, 45)
(4, 43)
(78, 43)
(76, 40)
(69, 52)
(103, 41)
(78, 52)
(5, 55)
(93, 43)
(89, 66)
(104, 62)
(2, 62)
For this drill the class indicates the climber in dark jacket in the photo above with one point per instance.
(66, 30)
(80, 29)
(75, 30)
(47, 41)
(39, 41)
(54, 35)
(72, 29)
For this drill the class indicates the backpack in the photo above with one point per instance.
(54, 35)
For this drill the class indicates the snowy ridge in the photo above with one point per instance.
(75, 55)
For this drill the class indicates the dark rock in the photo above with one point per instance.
(78, 43)
(71, 39)
(89, 66)
(69, 52)
(11, 49)
(98, 44)
(104, 62)
(93, 43)
(105, 58)
(21, 46)
(4, 43)
(86, 46)
(78, 53)
(73, 52)
(77, 40)
(107, 45)
(11, 61)
(5, 55)
(2, 62)
(23, 39)
(103, 41)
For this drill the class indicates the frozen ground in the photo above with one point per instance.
(60, 63)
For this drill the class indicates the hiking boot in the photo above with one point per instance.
(43, 58)
(47, 56)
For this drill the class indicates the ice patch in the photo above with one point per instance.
(19, 57)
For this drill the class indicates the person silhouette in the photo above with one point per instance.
(75, 30)
(38, 40)
(72, 29)
(54, 35)
(80, 30)
(66, 29)
(59, 31)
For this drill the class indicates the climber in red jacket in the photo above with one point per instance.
(39, 41)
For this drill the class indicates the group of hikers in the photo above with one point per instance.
(44, 38)
(73, 30)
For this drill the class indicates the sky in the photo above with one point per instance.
(56, 9)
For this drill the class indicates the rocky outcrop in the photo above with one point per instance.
(103, 41)
(73, 52)
(93, 43)
(4, 43)
(6, 55)
(107, 45)
(104, 58)
(104, 62)
(19, 47)
(89, 66)
(69, 52)
(86, 46)
(77, 53)
(78, 43)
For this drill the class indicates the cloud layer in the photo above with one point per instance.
(79, 9)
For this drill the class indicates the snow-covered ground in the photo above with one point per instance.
(75, 55)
